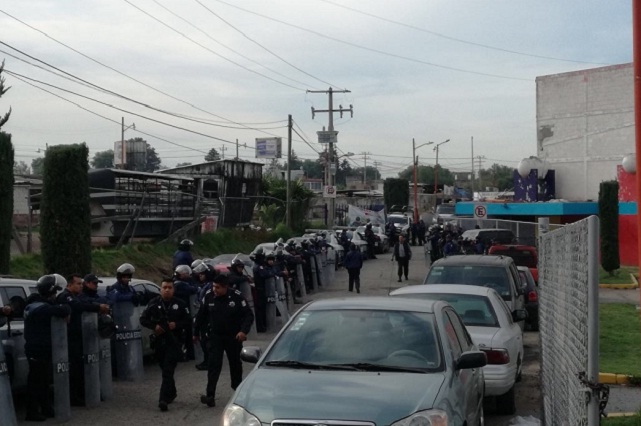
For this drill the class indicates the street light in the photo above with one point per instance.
(414, 156)
(436, 167)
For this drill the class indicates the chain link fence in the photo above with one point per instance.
(569, 323)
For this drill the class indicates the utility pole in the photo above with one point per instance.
(436, 167)
(288, 212)
(415, 161)
(365, 157)
(473, 177)
(330, 158)
(223, 148)
(479, 159)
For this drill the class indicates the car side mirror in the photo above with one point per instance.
(519, 315)
(471, 359)
(250, 354)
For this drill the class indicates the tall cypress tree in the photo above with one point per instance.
(65, 224)
(609, 219)
(6, 200)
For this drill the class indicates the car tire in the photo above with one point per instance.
(506, 403)
(519, 370)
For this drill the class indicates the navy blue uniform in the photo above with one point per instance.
(121, 292)
(353, 263)
(182, 257)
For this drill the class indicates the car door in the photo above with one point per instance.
(13, 337)
(473, 383)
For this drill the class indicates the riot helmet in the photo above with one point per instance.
(48, 285)
(200, 268)
(182, 271)
(185, 245)
(196, 263)
(125, 269)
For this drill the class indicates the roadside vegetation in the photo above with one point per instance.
(622, 421)
(152, 261)
(620, 341)
(620, 276)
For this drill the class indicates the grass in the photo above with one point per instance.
(620, 339)
(621, 276)
(622, 421)
(152, 261)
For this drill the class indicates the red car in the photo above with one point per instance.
(521, 254)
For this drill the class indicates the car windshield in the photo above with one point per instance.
(445, 209)
(357, 338)
(400, 220)
(484, 276)
(474, 310)
(520, 257)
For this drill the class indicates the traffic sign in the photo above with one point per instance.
(480, 211)
(326, 136)
(329, 191)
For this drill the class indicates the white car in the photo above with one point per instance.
(493, 329)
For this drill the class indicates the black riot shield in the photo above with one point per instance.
(106, 384)
(91, 358)
(60, 360)
(300, 284)
(7, 412)
(313, 265)
(281, 301)
(128, 341)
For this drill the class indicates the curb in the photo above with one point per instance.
(633, 285)
(614, 379)
(621, 414)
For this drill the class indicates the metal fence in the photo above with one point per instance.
(569, 323)
(525, 232)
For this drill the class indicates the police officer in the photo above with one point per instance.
(121, 291)
(184, 288)
(205, 276)
(371, 240)
(40, 309)
(227, 317)
(169, 318)
(183, 256)
(71, 296)
(262, 272)
(90, 290)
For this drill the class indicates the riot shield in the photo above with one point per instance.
(128, 341)
(281, 300)
(313, 265)
(106, 385)
(246, 290)
(91, 358)
(270, 307)
(319, 270)
(330, 269)
(7, 412)
(60, 360)
(300, 284)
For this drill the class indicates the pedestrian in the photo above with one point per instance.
(422, 229)
(402, 254)
(205, 276)
(169, 318)
(122, 291)
(40, 309)
(71, 296)
(227, 317)
(414, 233)
(353, 264)
(450, 247)
(184, 289)
(183, 256)
(371, 240)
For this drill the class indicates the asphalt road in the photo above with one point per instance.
(136, 403)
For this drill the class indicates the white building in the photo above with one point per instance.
(585, 122)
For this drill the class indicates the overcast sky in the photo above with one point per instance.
(423, 69)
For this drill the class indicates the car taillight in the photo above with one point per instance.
(532, 296)
(497, 356)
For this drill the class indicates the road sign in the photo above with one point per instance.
(327, 136)
(329, 191)
(480, 211)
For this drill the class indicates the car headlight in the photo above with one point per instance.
(235, 415)
(424, 418)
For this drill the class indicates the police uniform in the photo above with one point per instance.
(168, 345)
(223, 317)
(75, 345)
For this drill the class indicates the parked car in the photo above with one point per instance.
(497, 272)
(402, 222)
(364, 361)
(147, 290)
(531, 298)
(493, 329)
(382, 241)
(444, 213)
(490, 235)
(521, 254)
(359, 240)
(221, 263)
(14, 292)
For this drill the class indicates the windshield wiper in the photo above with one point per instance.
(312, 366)
(365, 366)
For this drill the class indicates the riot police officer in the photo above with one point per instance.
(71, 296)
(205, 276)
(90, 290)
(40, 309)
(183, 256)
(184, 288)
(121, 291)
(227, 317)
(169, 318)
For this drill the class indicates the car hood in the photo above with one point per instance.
(482, 336)
(280, 393)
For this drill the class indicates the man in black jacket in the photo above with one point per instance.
(228, 318)
(402, 254)
(37, 334)
(71, 296)
(169, 318)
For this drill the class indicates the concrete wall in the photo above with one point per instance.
(585, 122)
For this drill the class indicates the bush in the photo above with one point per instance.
(65, 226)
(609, 219)
(6, 200)
(282, 231)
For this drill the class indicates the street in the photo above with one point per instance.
(137, 403)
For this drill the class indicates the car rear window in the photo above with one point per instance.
(521, 257)
(484, 276)
(474, 310)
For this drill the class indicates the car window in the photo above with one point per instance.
(152, 289)
(474, 310)
(360, 336)
(464, 339)
(508, 313)
(452, 338)
(7, 294)
(495, 277)
(445, 209)
(521, 257)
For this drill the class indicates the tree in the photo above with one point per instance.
(6, 200)
(497, 176)
(65, 225)
(273, 207)
(609, 220)
(153, 160)
(212, 155)
(426, 175)
(37, 165)
(3, 90)
(20, 168)
(103, 159)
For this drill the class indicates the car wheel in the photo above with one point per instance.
(506, 403)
